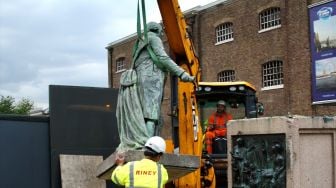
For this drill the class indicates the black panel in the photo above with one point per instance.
(25, 157)
(174, 109)
(219, 145)
(83, 122)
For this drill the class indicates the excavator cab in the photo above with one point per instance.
(240, 98)
(241, 103)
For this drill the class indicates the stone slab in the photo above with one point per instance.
(176, 165)
(79, 171)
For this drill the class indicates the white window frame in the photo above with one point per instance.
(224, 33)
(226, 76)
(120, 64)
(269, 19)
(272, 75)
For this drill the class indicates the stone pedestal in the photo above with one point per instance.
(79, 171)
(310, 147)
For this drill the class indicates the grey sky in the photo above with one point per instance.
(63, 42)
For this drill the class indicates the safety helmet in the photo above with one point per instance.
(157, 144)
(221, 102)
(154, 27)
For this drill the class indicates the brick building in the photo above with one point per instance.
(264, 42)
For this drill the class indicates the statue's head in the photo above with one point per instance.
(155, 28)
(276, 147)
(240, 142)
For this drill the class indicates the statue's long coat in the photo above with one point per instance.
(143, 100)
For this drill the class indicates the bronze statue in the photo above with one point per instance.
(139, 105)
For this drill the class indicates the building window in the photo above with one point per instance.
(226, 76)
(272, 75)
(224, 33)
(269, 19)
(120, 64)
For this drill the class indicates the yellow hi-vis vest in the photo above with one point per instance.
(143, 173)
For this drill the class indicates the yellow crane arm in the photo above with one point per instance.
(190, 133)
(176, 31)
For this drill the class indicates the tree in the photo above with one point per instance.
(8, 105)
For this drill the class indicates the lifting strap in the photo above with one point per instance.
(137, 49)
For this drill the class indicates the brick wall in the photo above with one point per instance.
(248, 51)
(123, 49)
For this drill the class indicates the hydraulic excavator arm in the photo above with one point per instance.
(190, 133)
(177, 35)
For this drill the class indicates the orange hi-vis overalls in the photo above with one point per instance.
(218, 124)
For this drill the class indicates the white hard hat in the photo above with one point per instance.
(157, 144)
(221, 102)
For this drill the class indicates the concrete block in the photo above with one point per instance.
(310, 147)
(79, 171)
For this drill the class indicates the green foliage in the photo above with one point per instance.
(8, 105)
(24, 106)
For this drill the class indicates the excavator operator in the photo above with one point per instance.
(217, 125)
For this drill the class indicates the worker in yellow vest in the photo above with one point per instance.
(146, 172)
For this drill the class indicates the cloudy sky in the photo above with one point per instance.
(62, 42)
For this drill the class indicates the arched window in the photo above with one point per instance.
(120, 64)
(226, 76)
(224, 33)
(272, 74)
(270, 19)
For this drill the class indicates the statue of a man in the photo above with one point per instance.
(150, 85)
(151, 77)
